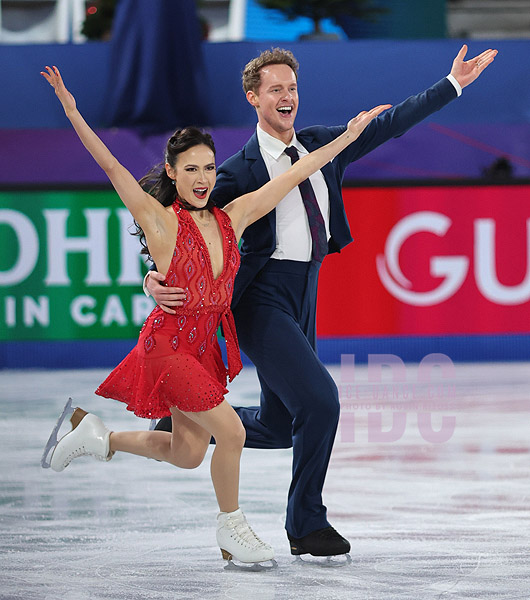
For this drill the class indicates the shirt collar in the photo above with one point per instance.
(275, 147)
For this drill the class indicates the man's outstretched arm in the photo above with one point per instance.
(415, 109)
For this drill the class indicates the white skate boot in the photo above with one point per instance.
(237, 540)
(88, 436)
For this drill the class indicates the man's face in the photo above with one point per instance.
(276, 101)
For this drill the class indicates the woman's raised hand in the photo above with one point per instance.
(53, 77)
(358, 124)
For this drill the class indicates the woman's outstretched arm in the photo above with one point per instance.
(147, 211)
(249, 208)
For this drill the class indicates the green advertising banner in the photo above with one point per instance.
(70, 267)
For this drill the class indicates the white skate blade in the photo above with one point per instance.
(236, 565)
(52, 440)
(324, 562)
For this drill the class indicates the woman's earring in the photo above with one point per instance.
(172, 182)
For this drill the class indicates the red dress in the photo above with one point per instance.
(177, 360)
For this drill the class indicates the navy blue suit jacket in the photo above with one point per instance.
(246, 171)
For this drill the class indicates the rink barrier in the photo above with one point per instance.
(411, 349)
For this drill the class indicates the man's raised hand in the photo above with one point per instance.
(465, 72)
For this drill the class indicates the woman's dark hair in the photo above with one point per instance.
(157, 183)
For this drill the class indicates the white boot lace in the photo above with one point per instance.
(242, 532)
(81, 451)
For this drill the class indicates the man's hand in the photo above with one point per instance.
(465, 72)
(164, 296)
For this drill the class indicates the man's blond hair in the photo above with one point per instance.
(276, 56)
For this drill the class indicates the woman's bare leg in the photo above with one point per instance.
(223, 423)
(184, 447)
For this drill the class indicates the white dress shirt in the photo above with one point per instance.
(293, 237)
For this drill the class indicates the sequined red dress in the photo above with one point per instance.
(177, 360)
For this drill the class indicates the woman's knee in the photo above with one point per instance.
(192, 459)
(238, 435)
(233, 437)
(157, 443)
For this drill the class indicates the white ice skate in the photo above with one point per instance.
(237, 540)
(88, 437)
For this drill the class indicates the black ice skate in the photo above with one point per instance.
(326, 543)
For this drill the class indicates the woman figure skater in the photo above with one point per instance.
(176, 367)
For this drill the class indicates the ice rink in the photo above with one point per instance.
(446, 519)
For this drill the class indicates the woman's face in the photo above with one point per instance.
(194, 175)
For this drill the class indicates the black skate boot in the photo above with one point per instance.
(323, 542)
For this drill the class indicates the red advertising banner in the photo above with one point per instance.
(428, 261)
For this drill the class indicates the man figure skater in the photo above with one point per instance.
(275, 294)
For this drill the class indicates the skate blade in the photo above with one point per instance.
(324, 562)
(52, 440)
(235, 565)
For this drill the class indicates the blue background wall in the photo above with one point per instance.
(336, 80)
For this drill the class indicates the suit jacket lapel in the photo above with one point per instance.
(258, 170)
(258, 174)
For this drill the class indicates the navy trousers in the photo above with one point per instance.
(276, 326)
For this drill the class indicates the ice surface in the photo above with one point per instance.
(447, 520)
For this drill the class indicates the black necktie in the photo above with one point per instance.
(314, 216)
